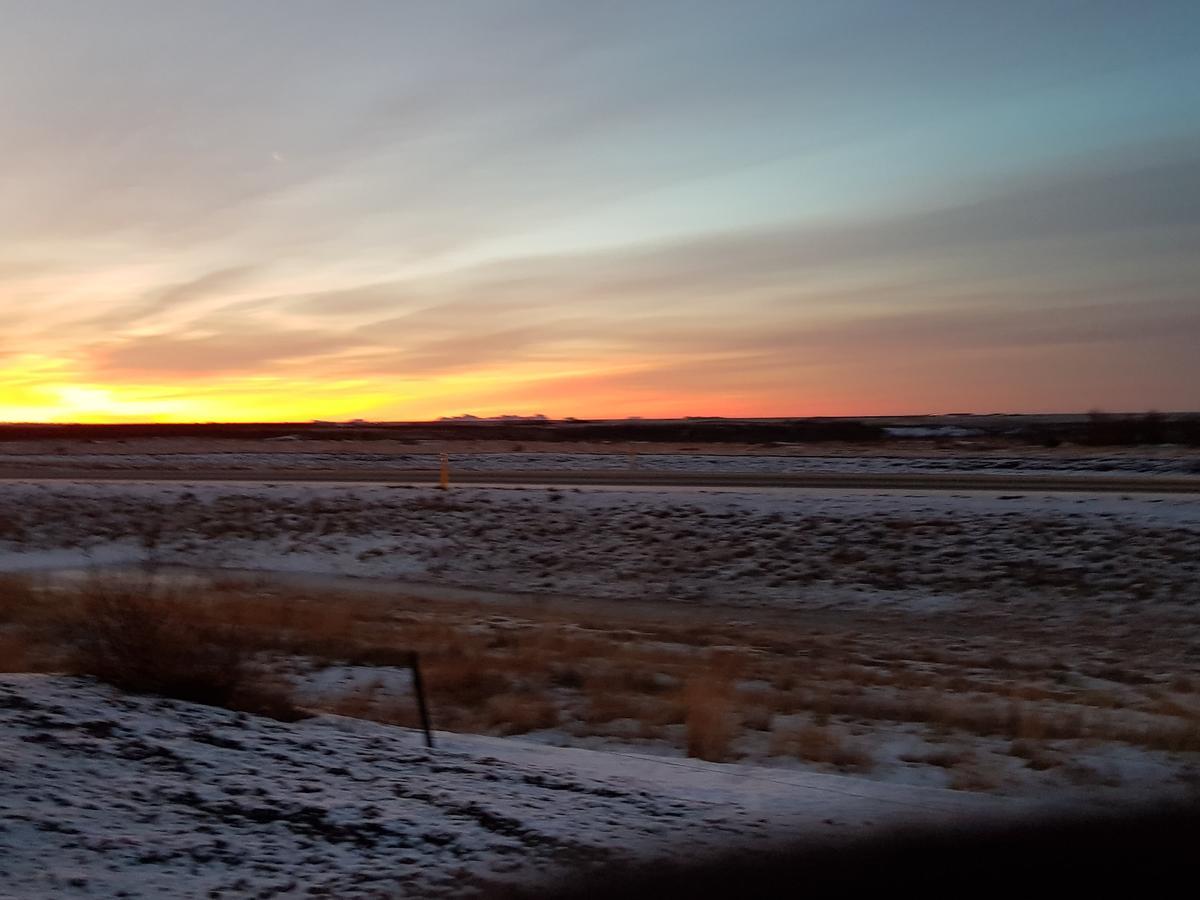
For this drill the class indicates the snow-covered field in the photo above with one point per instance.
(783, 548)
(108, 795)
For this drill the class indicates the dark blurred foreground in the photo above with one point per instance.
(1146, 853)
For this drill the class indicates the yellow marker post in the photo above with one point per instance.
(444, 478)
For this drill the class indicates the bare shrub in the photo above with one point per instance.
(135, 638)
(144, 640)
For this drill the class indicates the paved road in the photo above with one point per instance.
(1121, 484)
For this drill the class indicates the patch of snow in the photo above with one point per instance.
(103, 793)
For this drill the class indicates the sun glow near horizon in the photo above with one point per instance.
(41, 389)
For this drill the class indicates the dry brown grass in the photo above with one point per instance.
(820, 745)
(1182, 684)
(1172, 737)
(28, 627)
(604, 706)
(1036, 755)
(508, 714)
(974, 778)
(709, 718)
(985, 715)
(400, 711)
(508, 671)
(358, 703)
(372, 703)
(17, 596)
(461, 681)
(15, 653)
(754, 716)
(264, 693)
(1080, 773)
(942, 759)
(282, 622)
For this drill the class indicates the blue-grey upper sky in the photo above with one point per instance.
(297, 209)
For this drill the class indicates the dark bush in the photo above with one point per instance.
(139, 639)
(144, 640)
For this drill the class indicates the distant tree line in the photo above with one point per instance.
(1096, 429)
(1121, 430)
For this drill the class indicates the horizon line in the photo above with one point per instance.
(549, 420)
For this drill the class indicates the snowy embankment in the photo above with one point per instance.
(105, 794)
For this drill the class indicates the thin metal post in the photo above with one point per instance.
(422, 707)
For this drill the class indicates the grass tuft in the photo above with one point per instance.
(708, 700)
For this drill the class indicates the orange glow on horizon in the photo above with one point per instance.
(45, 389)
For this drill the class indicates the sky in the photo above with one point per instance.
(293, 210)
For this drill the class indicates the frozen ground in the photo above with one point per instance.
(1053, 555)
(109, 795)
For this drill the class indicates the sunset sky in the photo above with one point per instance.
(288, 209)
